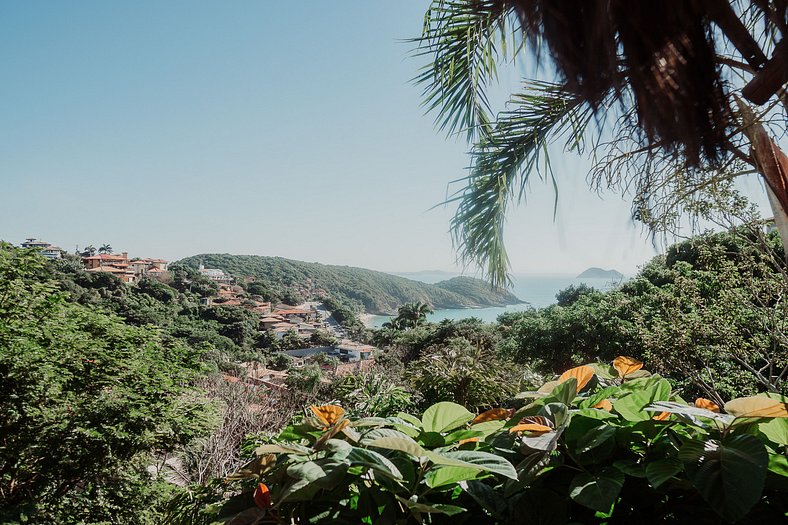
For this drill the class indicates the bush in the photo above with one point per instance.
(600, 444)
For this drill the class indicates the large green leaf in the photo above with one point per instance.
(728, 474)
(597, 491)
(484, 461)
(402, 444)
(439, 476)
(776, 430)
(486, 496)
(374, 460)
(661, 470)
(445, 416)
(651, 390)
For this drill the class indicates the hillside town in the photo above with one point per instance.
(302, 321)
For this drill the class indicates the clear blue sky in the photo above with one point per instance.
(275, 128)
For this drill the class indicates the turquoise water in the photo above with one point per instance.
(537, 290)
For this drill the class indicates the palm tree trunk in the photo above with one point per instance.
(780, 219)
(772, 164)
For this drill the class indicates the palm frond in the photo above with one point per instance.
(464, 41)
(501, 167)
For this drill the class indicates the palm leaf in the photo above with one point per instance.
(503, 161)
(464, 41)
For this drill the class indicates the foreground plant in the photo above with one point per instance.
(599, 444)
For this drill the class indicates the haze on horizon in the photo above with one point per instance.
(292, 130)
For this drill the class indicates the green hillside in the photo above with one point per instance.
(377, 292)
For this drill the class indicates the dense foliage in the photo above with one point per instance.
(376, 292)
(85, 400)
(600, 444)
(711, 314)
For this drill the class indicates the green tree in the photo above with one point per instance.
(105, 248)
(84, 400)
(464, 373)
(410, 315)
(653, 95)
(89, 251)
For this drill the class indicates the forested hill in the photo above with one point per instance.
(377, 292)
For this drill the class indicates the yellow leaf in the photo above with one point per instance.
(583, 374)
(662, 416)
(626, 365)
(328, 414)
(708, 404)
(494, 414)
(756, 406)
(605, 404)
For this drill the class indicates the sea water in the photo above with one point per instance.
(537, 290)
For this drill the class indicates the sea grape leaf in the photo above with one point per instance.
(729, 474)
(445, 416)
(597, 491)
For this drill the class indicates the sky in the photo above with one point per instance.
(291, 129)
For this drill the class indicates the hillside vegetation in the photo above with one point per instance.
(376, 292)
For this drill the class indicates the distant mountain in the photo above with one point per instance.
(599, 273)
(426, 276)
(378, 292)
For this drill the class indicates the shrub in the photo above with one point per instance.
(600, 444)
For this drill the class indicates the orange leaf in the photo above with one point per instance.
(468, 440)
(531, 427)
(583, 374)
(708, 404)
(662, 416)
(494, 414)
(262, 496)
(605, 404)
(626, 365)
(328, 414)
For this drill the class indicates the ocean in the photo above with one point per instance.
(538, 290)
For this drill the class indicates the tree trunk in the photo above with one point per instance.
(780, 219)
(772, 164)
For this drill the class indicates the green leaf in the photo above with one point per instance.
(776, 430)
(596, 437)
(597, 491)
(778, 464)
(413, 420)
(632, 406)
(661, 470)
(402, 444)
(729, 475)
(486, 497)
(445, 416)
(372, 459)
(485, 461)
(563, 393)
(439, 476)
(459, 435)
(282, 448)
